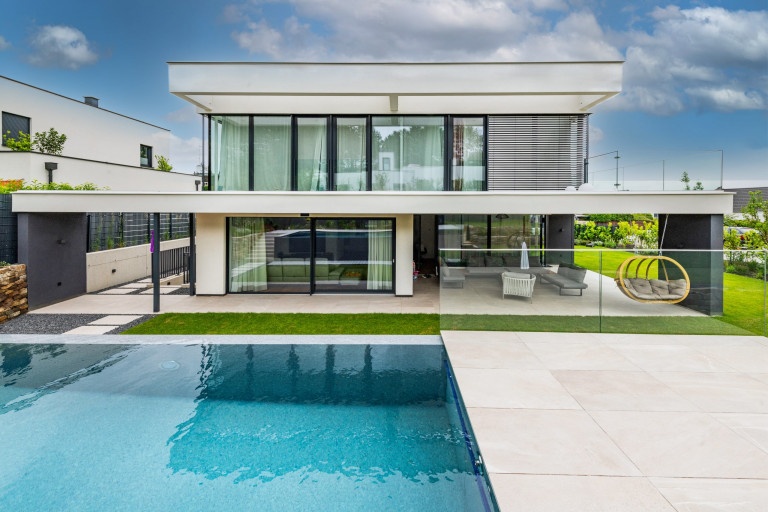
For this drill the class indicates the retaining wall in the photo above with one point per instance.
(118, 266)
(13, 292)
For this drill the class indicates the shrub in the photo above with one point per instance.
(162, 163)
(50, 142)
(21, 144)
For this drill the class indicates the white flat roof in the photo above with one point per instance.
(402, 88)
(376, 203)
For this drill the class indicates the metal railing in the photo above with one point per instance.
(174, 262)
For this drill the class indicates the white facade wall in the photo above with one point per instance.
(92, 133)
(128, 264)
(75, 171)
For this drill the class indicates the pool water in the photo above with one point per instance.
(232, 427)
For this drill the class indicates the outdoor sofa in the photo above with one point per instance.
(568, 277)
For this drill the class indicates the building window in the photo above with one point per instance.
(312, 153)
(408, 153)
(351, 154)
(145, 155)
(271, 153)
(468, 160)
(15, 125)
(229, 153)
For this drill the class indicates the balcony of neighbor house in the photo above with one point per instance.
(30, 166)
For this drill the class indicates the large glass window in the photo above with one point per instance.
(229, 152)
(312, 153)
(13, 126)
(468, 154)
(269, 254)
(408, 153)
(353, 255)
(351, 171)
(271, 153)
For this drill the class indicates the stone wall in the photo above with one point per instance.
(13, 292)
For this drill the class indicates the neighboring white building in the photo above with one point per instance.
(102, 147)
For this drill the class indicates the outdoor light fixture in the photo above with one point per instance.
(50, 167)
(197, 185)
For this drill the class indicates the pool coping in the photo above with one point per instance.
(225, 339)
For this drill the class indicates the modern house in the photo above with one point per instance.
(343, 177)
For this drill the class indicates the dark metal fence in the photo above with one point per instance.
(114, 230)
(9, 250)
(174, 262)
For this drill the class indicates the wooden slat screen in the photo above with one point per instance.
(536, 152)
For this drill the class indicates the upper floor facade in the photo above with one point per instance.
(393, 126)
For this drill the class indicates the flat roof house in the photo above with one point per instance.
(340, 177)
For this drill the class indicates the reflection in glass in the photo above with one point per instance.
(353, 255)
(229, 152)
(271, 153)
(468, 152)
(312, 157)
(350, 154)
(269, 255)
(408, 153)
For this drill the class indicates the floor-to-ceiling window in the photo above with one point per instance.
(355, 153)
(229, 152)
(353, 255)
(351, 149)
(300, 255)
(468, 160)
(271, 153)
(408, 153)
(311, 153)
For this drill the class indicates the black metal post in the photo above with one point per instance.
(192, 258)
(156, 264)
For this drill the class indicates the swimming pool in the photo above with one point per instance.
(232, 427)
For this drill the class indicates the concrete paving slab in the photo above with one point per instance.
(115, 320)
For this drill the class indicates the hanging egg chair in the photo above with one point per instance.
(643, 289)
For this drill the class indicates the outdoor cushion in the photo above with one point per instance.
(475, 259)
(494, 260)
(511, 259)
(640, 286)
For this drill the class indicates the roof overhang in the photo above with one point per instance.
(401, 88)
(375, 203)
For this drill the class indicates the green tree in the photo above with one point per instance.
(756, 215)
(50, 142)
(21, 144)
(686, 181)
(162, 163)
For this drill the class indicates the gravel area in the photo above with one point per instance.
(184, 290)
(58, 324)
(46, 324)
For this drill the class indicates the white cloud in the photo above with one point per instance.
(595, 134)
(699, 58)
(185, 154)
(4, 45)
(186, 114)
(61, 46)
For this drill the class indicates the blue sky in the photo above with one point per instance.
(695, 78)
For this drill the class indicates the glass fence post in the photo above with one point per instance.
(600, 290)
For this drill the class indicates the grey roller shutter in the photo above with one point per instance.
(14, 124)
(536, 152)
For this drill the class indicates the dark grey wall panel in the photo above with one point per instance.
(536, 152)
(705, 269)
(559, 235)
(52, 246)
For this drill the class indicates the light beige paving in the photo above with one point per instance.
(91, 329)
(661, 422)
(560, 493)
(425, 300)
(115, 320)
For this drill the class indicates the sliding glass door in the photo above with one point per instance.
(353, 255)
(299, 255)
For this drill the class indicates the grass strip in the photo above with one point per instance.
(289, 323)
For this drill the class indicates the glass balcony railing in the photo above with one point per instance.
(604, 290)
(696, 171)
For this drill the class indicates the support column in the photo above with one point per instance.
(705, 267)
(156, 263)
(192, 255)
(403, 255)
(559, 235)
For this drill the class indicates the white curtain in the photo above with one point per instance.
(229, 142)
(247, 255)
(272, 153)
(379, 255)
(312, 150)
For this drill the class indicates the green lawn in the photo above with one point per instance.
(743, 297)
(289, 323)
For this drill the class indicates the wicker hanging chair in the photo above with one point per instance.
(643, 289)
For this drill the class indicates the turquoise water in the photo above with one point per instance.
(231, 427)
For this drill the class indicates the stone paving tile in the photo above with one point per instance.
(752, 427)
(719, 392)
(512, 389)
(559, 493)
(714, 494)
(90, 329)
(115, 320)
(118, 291)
